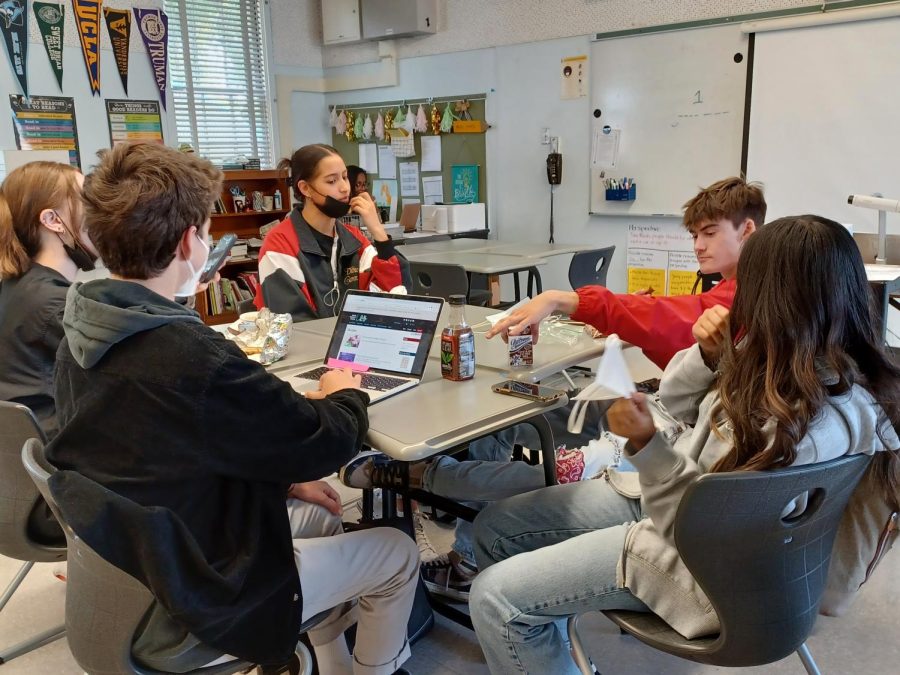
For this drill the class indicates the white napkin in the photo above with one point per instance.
(612, 381)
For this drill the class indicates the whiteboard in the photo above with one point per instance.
(824, 121)
(678, 100)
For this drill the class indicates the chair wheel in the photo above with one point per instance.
(306, 655)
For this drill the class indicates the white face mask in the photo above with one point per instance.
(189, 287)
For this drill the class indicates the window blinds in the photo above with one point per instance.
(217, 61)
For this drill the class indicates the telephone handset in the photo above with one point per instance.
(554, 168)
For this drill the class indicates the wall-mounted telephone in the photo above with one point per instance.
(554, 168)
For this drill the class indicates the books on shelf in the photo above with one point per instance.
(226, 295)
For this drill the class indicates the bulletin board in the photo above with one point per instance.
(457, 149)
(676, 103)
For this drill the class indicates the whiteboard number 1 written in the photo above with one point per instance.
(698, 97)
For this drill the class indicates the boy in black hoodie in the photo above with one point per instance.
(176, 454)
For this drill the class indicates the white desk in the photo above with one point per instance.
(885, 281)
(535, 250)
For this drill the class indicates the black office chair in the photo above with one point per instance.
(589, 268)
(763, 575)
(443, 280)
(27, 530)
(106, 608)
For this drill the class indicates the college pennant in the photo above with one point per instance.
(87, 18)
(153, 25)
(51, 20)
(14, 25)
(118, 23)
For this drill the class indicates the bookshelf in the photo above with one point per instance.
(245, 225)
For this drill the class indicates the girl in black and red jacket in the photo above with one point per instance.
(310, 258)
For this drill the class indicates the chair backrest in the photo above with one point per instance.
(589, 268)
(438, 279)
(764, 575)
(105, 607)
(19, 498)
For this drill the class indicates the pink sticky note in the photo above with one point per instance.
(355, 367)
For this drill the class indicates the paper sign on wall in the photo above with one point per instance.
(409, 179)
(574, 77)
(661, 257)
(387, 163)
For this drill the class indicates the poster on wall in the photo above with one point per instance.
(660, 257)
(14, 25)
(574, 77)
(87, 20)
(46, 123)
(51, 19)
(118, 25)
(464, 183)
(133, 121)
(153, 25)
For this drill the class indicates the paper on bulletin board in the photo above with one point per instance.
(682, 272)
(605, 147)
(384, 192)
(387, 165)
(409, 179)
(574, 77)
(431, 153)
(433, 189)
(368, 157)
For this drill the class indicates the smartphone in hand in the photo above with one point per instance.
(217, 255)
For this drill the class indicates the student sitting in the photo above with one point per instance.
(309, 260)
(42, 246)
(720, 219)
(829, 390)
(176, 453)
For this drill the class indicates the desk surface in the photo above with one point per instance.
(535, 250)
(479, 263)
(882, 273)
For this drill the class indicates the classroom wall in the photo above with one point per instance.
(90, 111)
(510, 50)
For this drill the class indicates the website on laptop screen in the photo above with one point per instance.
(388, 333)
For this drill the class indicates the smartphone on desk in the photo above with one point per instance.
(534, 392)
(216, 256)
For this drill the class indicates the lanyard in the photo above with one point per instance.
(332, 296)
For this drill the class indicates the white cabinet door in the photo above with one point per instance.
(340, 21)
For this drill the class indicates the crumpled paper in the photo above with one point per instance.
(262, 336)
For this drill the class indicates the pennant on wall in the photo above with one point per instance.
(51, 20)
(118, 23)
(153, 25)
(87, 18)
(14, 25)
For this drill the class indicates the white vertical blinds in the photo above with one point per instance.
(217, 61)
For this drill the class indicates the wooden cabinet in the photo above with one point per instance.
(245, 225)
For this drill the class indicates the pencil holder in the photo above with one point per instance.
(622, 195)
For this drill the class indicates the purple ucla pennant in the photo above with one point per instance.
(153, 25)
(87, 18)
(14, 24)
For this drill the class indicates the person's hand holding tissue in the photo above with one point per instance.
(631, 418)
(533, 312)
(710, 331)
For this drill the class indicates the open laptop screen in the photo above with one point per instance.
(388, 333)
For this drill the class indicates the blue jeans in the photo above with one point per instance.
(543, 556)
(489, 475)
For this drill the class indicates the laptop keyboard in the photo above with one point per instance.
(369, 380)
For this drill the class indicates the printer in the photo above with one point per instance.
(453, 218)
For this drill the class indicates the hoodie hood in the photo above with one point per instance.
(102, 313)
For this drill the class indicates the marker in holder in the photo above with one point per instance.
(621, 194)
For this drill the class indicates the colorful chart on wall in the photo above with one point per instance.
(46, 123)
(131, 121)
(660, 256)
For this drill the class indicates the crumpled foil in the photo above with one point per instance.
(262, 335)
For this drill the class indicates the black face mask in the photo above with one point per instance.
(78, 254)
(333, 208)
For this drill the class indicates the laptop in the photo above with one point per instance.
(409, 217)
(384, 337)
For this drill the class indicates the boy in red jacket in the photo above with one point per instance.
(720, 218)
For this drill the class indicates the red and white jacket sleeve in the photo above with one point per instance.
(660, 326)
(381, 268)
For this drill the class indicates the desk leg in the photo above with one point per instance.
(494, 287)
(518, 289)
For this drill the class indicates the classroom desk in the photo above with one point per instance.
(885, 282)
(551, 356)
(445, 246)
(490, 264)
(535, 250)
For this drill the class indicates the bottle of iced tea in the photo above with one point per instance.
(458, 343)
